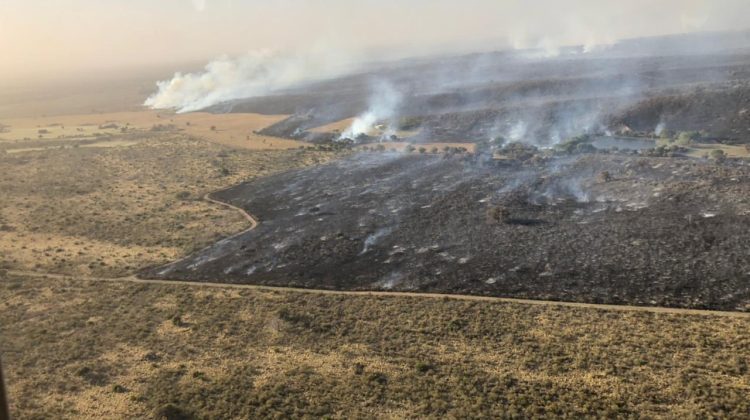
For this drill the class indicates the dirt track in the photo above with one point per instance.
(134, 279)
(246, 215)
(419, 224)
(254, 223)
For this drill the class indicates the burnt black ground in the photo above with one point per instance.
(666, 232)
(692, 82)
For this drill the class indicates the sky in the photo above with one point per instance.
(42, 39)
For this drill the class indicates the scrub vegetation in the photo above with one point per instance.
(74, 348)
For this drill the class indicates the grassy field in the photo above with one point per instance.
(703, 150)
(110, 211)
(233, 130)
(74, 348)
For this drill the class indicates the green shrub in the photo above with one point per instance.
(424, 367)
(172, 412)
(686, 138)
(718, 155)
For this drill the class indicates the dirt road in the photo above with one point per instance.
(254, 224)
(134, 279)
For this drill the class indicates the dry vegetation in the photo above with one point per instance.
(109, 211)
(75, 349)
(432, 148)
(81, 349)
(233, 130)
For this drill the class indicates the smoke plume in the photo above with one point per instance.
(383, 108)
(254, 74)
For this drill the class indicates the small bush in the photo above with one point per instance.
(178, 322)
(519, 151)
(359, 368)
(378, 377)
(718, 155)
(687, 138)
(498, 214)
(409, 123)
(424, 367)
(172, 412)
(578, 144)
(667, 135)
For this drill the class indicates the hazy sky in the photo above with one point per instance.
(40, 38)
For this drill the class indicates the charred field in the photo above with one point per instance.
(659, 224)
(598, 228)
(677, 84)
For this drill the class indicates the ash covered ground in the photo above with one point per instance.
(698, 82)
(615, 229)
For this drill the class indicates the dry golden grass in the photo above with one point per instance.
(110, 211)
(74, 349)
(80, 349)
(233, 130)
(701, 150)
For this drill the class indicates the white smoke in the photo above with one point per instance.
(518, 132)
(660, 128)
(383, 108)
(254, 74)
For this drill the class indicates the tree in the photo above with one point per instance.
(718, 155)
(666, 135)
(686, 138)
(519, 151)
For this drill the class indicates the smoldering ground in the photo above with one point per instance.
(651, 232)
(641, 85)
(614, 228)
